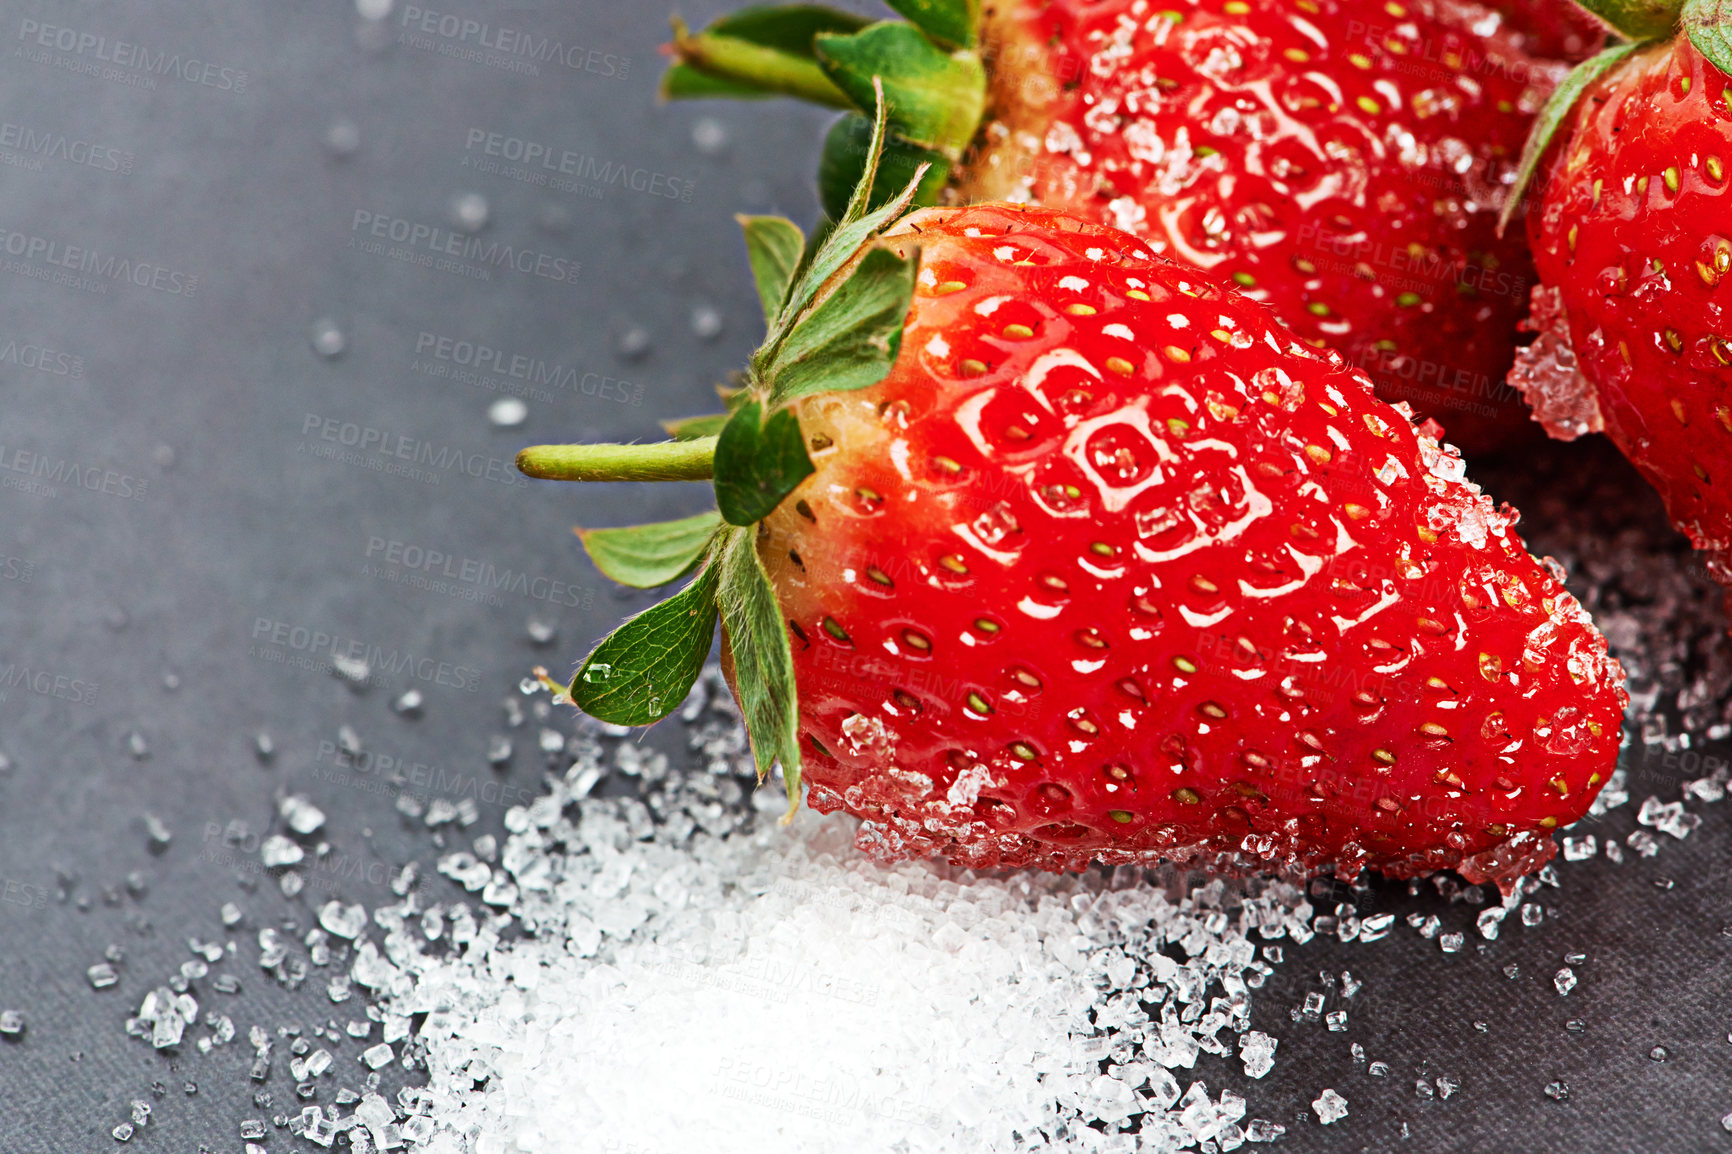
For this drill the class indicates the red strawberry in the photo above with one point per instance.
(1342, 161)
(1552, 29)
(1632, 236)
(1110, 567)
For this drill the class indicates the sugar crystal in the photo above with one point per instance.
(301, 815)
(1330, 1107)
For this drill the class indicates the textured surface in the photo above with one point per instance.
(1342, 161)
(1111, 564)
(245, 523)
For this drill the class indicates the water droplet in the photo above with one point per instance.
(343, 138)
(706, 323)
(507, 412)
(498, 750)
(1558, 1091)
(632, 343)
(541, 632)
(11, 1024)
(1659, 1054)
(709, 136)
(327, 338)
(468, 211)
(370, 10)
(137, 746)
(408, 703)
(263, 746)
(596, 671)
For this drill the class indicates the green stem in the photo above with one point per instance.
(764, 69)
(692, 460)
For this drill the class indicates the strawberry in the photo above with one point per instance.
(1632, 235)
(1340, 160)
(1093, 561)
(1552, 29)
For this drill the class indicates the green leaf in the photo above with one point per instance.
(936, 98)
(684, 82)
(949, 21)
(842, 165)
(692, 428)
(645, 556)
(788, 28)
(842, 245)
(1557, 110)
(850, 340)
(757, 638)
(1637, 19)
(758, 462)
(642, 671)
(757, 52)
(774, 245)
(1705, 23)
(857, 203)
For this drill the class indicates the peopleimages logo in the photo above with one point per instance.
(393, 452)
(125, 55)
(27, 355)
(473, 571)
(28, 142)
(39, 467)
(532, 371)
(543, 165)
(419, 779)
(42, 250)
(424, 244)
(283, 637)
(45, 683)
(526, 49)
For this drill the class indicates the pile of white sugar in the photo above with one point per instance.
(687, 975)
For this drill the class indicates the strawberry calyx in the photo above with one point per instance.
(1706, 23)
(834, 310)
(1637, 19)
(928, 65)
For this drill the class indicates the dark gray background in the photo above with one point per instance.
(201, 399)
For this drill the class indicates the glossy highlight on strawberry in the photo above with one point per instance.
(1111, 567)
(1632, 235)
